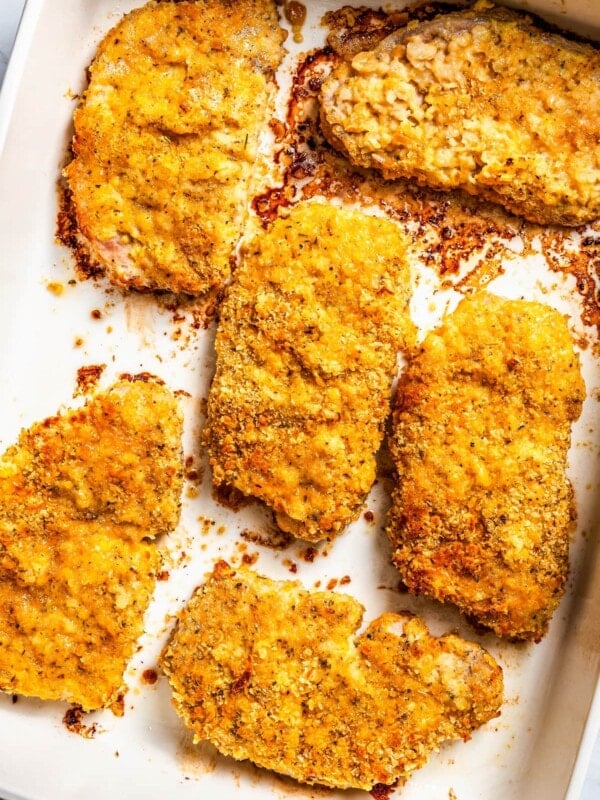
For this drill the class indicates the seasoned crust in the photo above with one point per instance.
(166, 139)
(482, 509)
(306, 355)
(479, 100)
(270, 672)
(81, 496)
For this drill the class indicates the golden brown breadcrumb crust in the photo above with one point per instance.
(81, 497)
(480, 100)
(483, 507)
(270, 672)
(166, 138)
(306, 354)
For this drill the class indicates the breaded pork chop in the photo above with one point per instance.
(166, 139)
(81, 497)
(482, 510)
(306, 355)
(268, 671)
(479, 100)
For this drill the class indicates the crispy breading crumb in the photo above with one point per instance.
(81, 496)
(306, 355)
(271, 672)
(483, 507)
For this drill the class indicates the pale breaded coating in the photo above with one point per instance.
(81, 497)
(483, 508)
(480, 100)
(166, 139)
(306, 355)
(273, 673)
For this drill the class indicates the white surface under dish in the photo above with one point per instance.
(540, 745)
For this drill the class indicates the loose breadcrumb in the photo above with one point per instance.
(271, 672)
(81, 497)
(483, 507)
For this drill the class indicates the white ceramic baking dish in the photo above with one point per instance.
(538, 748)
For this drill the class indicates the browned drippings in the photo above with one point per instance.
(88, 378)
(295, 13)
(149, 677)
(271, 537)
(381, 791)
(73, 722)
